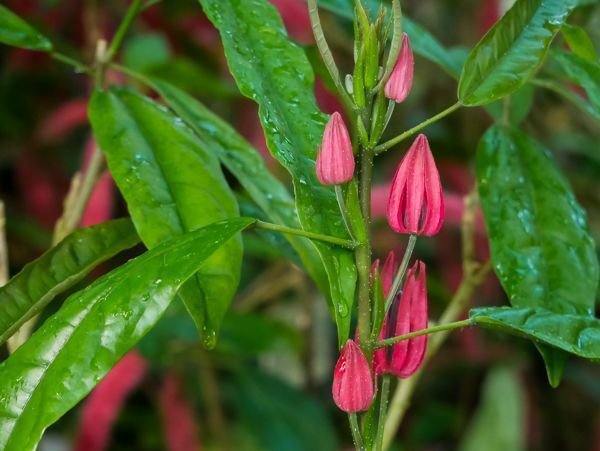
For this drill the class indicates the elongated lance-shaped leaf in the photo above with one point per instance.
(172, 184)
(29, 291)
(541, 249)
(18, 33)
(248, 166)
(575, 334)
(276, 74)
(76, 347)
(512, 51)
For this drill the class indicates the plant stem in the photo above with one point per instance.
(356, 436)
(71, 62)
(363, 255)
(326, 54)
(430, 330)
(550, 85)
(348, 244)
(339, 195)
(74, 210)
(412, 240)
(384, 397)
(408, 133)
(130, 15)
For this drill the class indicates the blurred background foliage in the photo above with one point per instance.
(267, 384)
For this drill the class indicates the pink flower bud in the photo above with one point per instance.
(416, 205)
(388, 272)
(352, 381)
(335, 160)
(400, 82)
(407, 355)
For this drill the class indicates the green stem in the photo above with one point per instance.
(412, 240)
(430, 330)
(363, 254)
(356, 436)
(326, 54)
(115, 44)
(71, 62)
(408, 133)
(339, 195)
(348, 244)
(384, 397)
(558, 89)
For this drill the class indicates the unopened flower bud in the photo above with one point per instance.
(400, 82)
(335, 160)
(352, 382)
(416, 205)
(409, 315)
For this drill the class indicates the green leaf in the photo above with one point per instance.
(276, 74)
(18, 33)
(572, 333)
(422, 42)
(540, 245)
(584, 73)
(29, 291)
(511, 52)
(172, 184)
(499, 422)
(248, 167)
(280, 417)
(76, 347)
(579, 42)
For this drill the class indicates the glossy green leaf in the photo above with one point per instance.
(29, 291)
(579, 42)
(572, 333)
(422, 42)
(276, 74)
(541, 249)
(77, 346)
(584, 73)
(18, 33)
(248, 166)
(511, 52)
(499, 422)
(172, 184)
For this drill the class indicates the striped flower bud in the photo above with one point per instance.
(409, 314)
(400, 82)
(416, 205)
(352, 382)
(335, 160)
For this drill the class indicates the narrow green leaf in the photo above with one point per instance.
(18, 33)
(77, 346)
(499, 422)
(579, 42)
(511, 52)
(275, 73)
(540, 245)
(29, 291)
(572, 333)
(248, 166)
(172, 184)
(584, 73)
